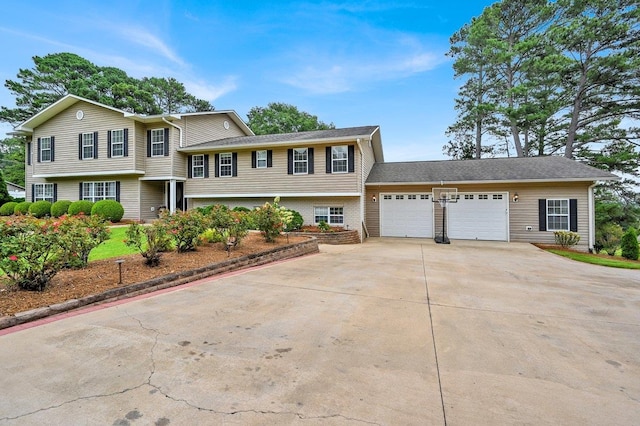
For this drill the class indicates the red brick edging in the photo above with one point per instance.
(255, 259)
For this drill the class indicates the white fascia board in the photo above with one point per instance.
(279, 194)
(479, 182)
(178, 178)
(90, 174)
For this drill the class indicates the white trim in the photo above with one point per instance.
(279, 194)
(167, 178)
(592, 218)
(296, 143)
(91, 174)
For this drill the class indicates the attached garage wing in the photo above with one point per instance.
(479, 216)
(406, 215)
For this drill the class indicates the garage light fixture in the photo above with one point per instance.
(373, 198)
(515, 197)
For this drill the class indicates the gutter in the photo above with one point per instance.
(592, 218)
(176, 126)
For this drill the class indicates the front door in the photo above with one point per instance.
(179, 195)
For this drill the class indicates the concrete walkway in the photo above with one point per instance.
(347, 337)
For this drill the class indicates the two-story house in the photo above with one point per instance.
(80, 149)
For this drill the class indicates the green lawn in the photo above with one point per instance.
(610, 261)
(113, 247)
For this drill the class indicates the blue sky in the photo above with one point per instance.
(352, 63)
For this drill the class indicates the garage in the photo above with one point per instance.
(479, 216)
(406, 215)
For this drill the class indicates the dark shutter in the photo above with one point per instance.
(28, 153)
(190, 166)
(53, 149)
(269, 158)
(166, 142)
(542, 214)
(118, 191)
(55, 192)
(38, 150)
(80, 193)
(573, 215)
(310, 157)
(206, 165)
(108, 143)
(290, 161)
(95, 144)
(234, 164)
(126, 142)
(33, 192)
(148, 143)
(328, 161)
(217, 164)
(79, 146)
(253, 159)
(352, 159)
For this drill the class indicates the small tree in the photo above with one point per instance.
(4, 193)
(150, 241)
(608, 237)
(629, 244)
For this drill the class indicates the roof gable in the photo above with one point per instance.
(540, 169)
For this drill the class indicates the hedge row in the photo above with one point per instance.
(109, 209)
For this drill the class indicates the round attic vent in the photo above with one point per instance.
(226, 124)
(80, 114)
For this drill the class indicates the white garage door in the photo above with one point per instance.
(406, 215)
(479, 216)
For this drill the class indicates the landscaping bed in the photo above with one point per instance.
(593, 258)
(103, 275)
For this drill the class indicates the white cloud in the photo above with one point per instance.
(146, 39)
(203, 90)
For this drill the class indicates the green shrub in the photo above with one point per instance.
(81, 206)
(324, 226)
(608, 237)
(22, 208)
(272, 219)
(8, 208)
(185, 228)
(40, 209)
(629, 244)
(241, 209)
(566, 239)
(150, 241)
(296, 221)
(109, 209)
(60, 207)
(81, 235)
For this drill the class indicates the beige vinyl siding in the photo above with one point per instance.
(140, 147)
(275, 180)
(65, 127)
(204, 128)
(152, 196)
(160, 166)
(304, 206)
(521, 214)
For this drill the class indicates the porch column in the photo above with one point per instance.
(172, 196)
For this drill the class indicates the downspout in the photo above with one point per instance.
(592, 218)
(362, 188)
(172, 180)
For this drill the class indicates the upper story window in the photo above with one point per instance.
(300, 161)
(198, 166)
(261, 159)
(87, 146)
(116, 143)
(339, 159)
(45, 149)
(157, 143)
(557, 215)
(226, 165)
(44, 191)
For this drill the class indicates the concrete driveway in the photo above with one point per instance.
(394, 331)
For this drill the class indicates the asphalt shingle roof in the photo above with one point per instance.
(285, 137)
(489, 169)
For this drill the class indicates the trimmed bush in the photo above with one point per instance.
(22, 208)
(109, 209)
(608, 237)
(81, 206)
(8, 208)
(566, 239)
(60, 208)
(296, 221)
(40, 209)
(629, 244)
